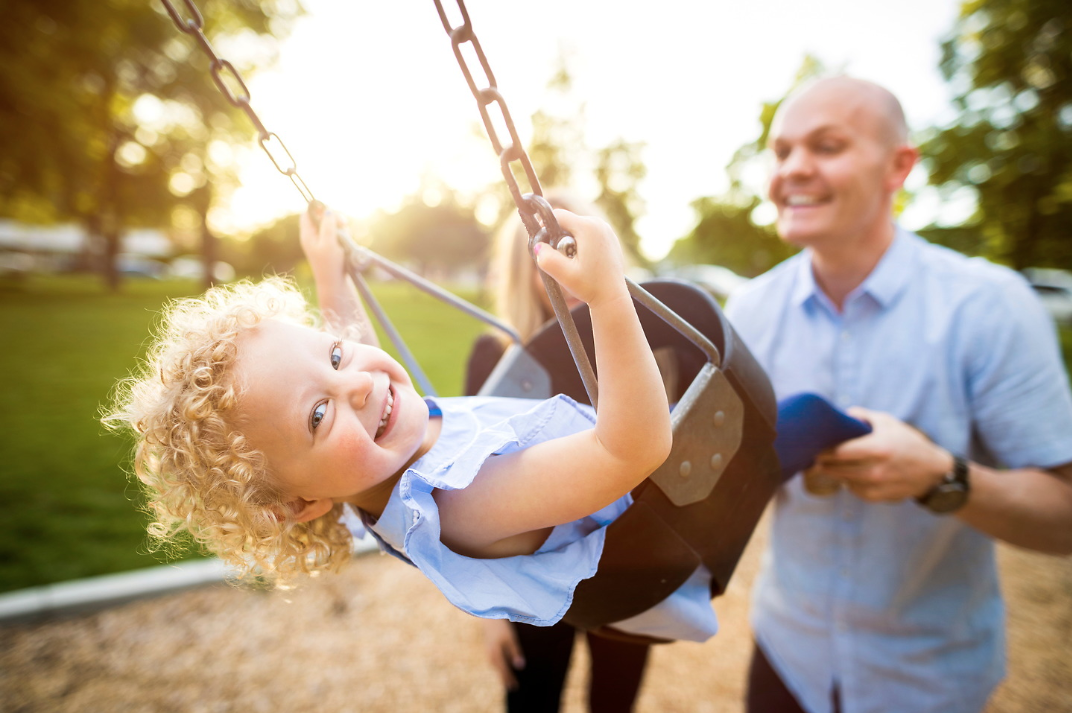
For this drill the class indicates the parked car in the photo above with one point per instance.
(192, 268)
(15, 265)
(1054, 288)
(132, 265)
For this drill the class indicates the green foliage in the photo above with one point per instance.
(725, 232)
(619, 171)
(443, 237)
(810, 68)
(557, 142)
(1011, 63)
(68, 509)
(558, 148)
(1065, 335)
(726, 235)
(270, 251)
(107, 110)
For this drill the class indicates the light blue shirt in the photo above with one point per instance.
(898, 607)
(533, 589)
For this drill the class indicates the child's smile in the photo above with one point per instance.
(334, 419)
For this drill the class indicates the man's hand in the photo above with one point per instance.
(894, 462)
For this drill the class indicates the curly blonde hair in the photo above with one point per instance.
(200, 474)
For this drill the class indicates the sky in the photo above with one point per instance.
(369, 98)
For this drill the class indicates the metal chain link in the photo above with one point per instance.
(536, 213)
(269, 141)
(531, 205)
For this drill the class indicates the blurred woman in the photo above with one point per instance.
(533, 661)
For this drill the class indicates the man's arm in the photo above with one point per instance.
(1026, 507)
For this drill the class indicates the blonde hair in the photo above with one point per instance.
(200, 474)
(512, 278)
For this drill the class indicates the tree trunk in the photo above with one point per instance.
(111, 252)
(109, 217)
(201, 200)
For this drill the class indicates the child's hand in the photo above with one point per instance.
(597, 272)
(320, 244)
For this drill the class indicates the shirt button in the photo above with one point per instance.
(845, 572)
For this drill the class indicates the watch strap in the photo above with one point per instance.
(955, 481)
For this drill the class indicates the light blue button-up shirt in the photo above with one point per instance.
(898, 607)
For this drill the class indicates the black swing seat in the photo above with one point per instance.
(702, 504)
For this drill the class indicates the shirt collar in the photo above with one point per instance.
(805, 288)
(893, 271)
(886, 281)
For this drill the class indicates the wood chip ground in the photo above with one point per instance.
(380, 638)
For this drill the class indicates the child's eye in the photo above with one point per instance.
(336, 355)
(318, 414)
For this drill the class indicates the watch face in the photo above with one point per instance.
(947, 497)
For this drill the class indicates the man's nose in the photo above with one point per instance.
(797, 163)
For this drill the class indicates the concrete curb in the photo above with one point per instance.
(92, 594)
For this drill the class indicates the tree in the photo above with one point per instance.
(619, 170)
(558, 137)
(442, 237)
(726, 232)
(558, 150)
(108, 114)
(1012, 143)
(274, 249)
(726, 235)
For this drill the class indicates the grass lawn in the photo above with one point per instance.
(67, 507)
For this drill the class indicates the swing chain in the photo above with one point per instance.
(529, 205)
(222, 69)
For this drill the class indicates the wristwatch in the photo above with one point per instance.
(951, 492)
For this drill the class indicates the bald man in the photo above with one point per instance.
(880, 591)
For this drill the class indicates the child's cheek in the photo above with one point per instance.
(350, 451)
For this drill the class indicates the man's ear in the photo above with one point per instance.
(904, 159)
(303, 510)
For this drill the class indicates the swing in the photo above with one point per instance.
(701, 506)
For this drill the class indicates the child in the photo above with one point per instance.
(256, 431)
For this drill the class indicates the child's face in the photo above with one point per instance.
(333, 418)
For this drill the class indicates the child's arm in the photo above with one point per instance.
(517, 496)
(335, 291)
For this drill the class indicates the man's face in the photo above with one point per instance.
(833, 172)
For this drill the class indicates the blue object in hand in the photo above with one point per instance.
(808, 424)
